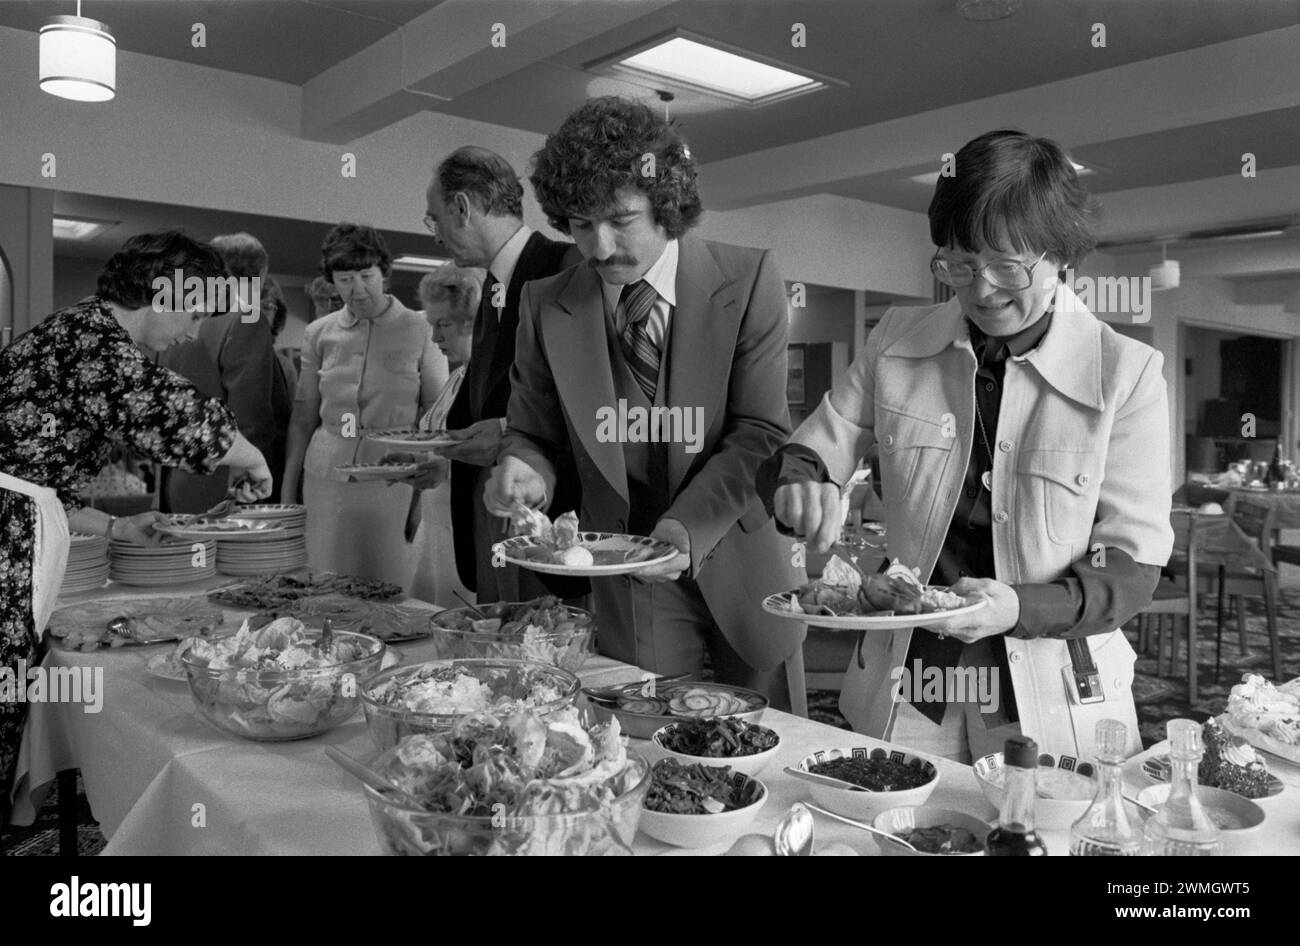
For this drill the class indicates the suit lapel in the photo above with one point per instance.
(702, 341)
(578, 350)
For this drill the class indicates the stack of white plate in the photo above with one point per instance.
(87, 564)
(281, 551)
(173, 563)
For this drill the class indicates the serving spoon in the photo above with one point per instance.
(823, 779)
(870, 829)
(368, 776)
(474, 608)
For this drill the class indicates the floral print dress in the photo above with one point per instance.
(71, 390)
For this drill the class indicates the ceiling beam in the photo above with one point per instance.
(448, 52)
(1239, 77)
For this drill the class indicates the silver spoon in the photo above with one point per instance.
(871, 829)
(368, 776)
(793, 836)
(823, 779)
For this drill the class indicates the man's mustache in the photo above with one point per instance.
(614, 260)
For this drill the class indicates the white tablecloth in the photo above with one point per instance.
(162, 781)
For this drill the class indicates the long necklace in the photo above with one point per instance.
(987, 476)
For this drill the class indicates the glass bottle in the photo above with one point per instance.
(1181, 826)
(1105, 829)
(1015, 835)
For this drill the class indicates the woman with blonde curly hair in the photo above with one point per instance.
(450, 297)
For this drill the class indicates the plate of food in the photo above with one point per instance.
(558, 548)
(135, 621)
(231, 527)
(893, 599)
(377, 472)
(408, 438)
(391, 623)
(1266, 715)
(1229, 763)
(275, 592)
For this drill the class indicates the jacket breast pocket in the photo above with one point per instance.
(1063, 486)
(904, 441)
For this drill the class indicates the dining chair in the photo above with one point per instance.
(1170, 602)
(1256, 521)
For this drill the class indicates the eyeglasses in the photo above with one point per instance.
(1006, 274)
(430, 224)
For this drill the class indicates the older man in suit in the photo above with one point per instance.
(658, 323)
(475, 206)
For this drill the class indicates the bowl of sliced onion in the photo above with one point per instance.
(642, 709)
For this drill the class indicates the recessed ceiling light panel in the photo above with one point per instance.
(686, 61)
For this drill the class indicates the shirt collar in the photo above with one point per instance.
(503, 264)
(662, 277)
(348, 320)
(988, 348)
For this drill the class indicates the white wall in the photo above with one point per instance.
(188, 135)
(835, 241)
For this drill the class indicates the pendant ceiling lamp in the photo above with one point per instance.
(78, 58)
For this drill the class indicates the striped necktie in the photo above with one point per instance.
(639, 348)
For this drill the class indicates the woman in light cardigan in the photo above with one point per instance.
(450, 297)
(368, 366)
(1024, 457)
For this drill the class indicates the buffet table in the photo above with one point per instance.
(162, 781)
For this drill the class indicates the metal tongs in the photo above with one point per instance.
(615, 693)
(220, 511)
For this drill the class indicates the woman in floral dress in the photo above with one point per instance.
(71, 389)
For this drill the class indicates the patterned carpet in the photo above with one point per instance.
(1159, 699)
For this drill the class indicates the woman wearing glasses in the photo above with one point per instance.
(1024, 460)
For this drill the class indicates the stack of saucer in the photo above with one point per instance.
(275, 552)
(172, 563)
(87, 564)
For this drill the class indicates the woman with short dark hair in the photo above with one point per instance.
(74, 387)
(370, 365)
(1024, 460)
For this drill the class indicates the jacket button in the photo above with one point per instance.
(1017, 657)
(1005, 446)
(1082, 479)
(621, 524)
(889, 440)
(1001, 517)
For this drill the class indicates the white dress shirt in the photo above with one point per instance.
(662, 277)
(502, 268)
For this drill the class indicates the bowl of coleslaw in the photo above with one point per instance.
(431, 697)
(520, 784)
(277, 683)
(545, 630)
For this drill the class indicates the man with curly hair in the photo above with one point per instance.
(655, 321)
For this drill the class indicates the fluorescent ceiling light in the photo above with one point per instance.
(932, 177)
(72, 228)
(419, 264)
(687, 61)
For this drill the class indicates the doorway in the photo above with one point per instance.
(1236, 405)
